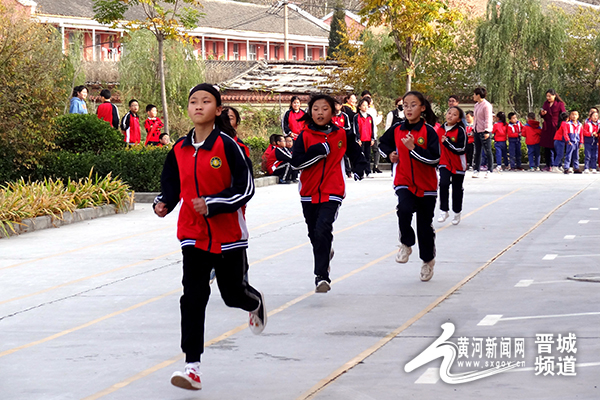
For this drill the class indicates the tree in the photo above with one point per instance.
(164, 23)
(336, 30)
(414, 26)
(519, 47)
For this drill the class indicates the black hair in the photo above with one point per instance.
(162, 135)
(347, 97)
(553, 93)
(481, 91)
(105, 93)
(398, 100)
(501, 117)
(593, 111)
(224, 124)
(455, 97)
(363, 100)
(238, 119)
(133, 101)
(273, 138)
(365, 93)
(461, 115)
(511, 114)
(471, 113)
(428, 114)
(78, 89)
(337, 100)
(293, 99)
(308, 115)
(531, 116)
(149, 107)
(563, 116)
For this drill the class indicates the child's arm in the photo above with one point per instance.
(357, 158)
(460, 146)
(387, 142)
(355, 128)
(242, 182)
(283, 154)
(167, 200)
(115, 117)
(430, 155)
(304, 158)
(285, 124)
(373, 130)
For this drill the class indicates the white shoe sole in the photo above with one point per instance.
(183, 383)
(259, 330)
(400, 260)
(323, 287)
(426, 277)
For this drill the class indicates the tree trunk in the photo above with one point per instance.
(161, 75)
(408, 81)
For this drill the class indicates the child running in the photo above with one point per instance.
(364, 129)
(453, 163)
(208, 173)
(590, 143)
(414, 148)
(499, 132)
(318, 153)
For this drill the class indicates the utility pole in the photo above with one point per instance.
(286, 47)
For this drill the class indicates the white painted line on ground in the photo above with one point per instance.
(569, 237)
(546, 316)
(550, 256)
(561, 281)
(431, 376)
(584, 221)
(524, 283)
(490, 320)
(581, 255)
(594, 209)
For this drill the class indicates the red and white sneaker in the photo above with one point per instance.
(258, 317)
(190, 379)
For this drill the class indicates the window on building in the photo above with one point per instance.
(321, 54)
(308, 56)
(98, 47)
(266, 48)
(214, 49)
(294, 53)
(252, 52)
(276, 48)
(236, 51)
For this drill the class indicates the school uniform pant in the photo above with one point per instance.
(285, 172)
(572, 155)
(376, 154)
(559, 152)
(514, 150)
(590, 151)
(447, 178)
(484, 145)
(319, 219)
(501, 152)
(549, 154)
(533, 154)
(424, 207)
(366, 149)
(230, 268)
(470, 148)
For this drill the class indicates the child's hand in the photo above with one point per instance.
(409, 141)
(360, 142)
(160, 209)
(372, 142)
(200, 205)
(443, 137)
(393, 157)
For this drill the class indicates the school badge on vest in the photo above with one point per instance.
(215, 162)
(453, 139)
(340, 144)
(421, 141)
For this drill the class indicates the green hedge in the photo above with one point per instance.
(79, 133)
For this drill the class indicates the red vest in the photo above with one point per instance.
(499, 132)
(339, 120)
(470, 137)
(293, 123)
(449, 160)
(514, 130)
(365, 128)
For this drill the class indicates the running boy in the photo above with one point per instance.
(208, 173)
(318, 152)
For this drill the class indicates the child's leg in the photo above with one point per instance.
(512, 151)
(404, 211)
(445, 180)
(197, 265)
(594, 155)
(457, 192)
(587, 152)
(319, 219)
(531, 155)
(568, 155)
(537, 153)
(470, 154)
(559, 149)
(505, 153)
(231, 278)
(366, 148)
(425, 207)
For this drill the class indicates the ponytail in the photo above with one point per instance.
(428, 114)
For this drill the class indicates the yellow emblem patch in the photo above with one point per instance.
(421, 141)
(453, 139)
(340, 144)
(215, 162)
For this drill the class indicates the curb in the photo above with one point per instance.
(51, 221)
(148, 197)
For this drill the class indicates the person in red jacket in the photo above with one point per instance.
(561, 138)
(342, 120)
(108, 111)
(514, 131)
(414, 148)
(590, 143)
(532, 133)
(364, 129)
(291, 123)
(499, 134)
(270, 148)
(318, 153)
(208, 174)
(130, 124)
(470, 138)
(453, 163)
(279, 161)
(152, 125)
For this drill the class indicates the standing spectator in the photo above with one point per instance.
(470, 138)
(349, 106)
(108, 111)
(78, 105)
(499, 134)
(551, 110)
(364, 129)
(396, 116)
(560, 141)
(514, 131)
(234, 120)
(483, 130)
(130, 124)
(377, 118)
(532, 133)
(291, 124)
(590, 143)
(153, 125)
(573, 128)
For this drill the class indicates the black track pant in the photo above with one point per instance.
(408, 204)
(319, 219)
(447, 178)
(230, 268)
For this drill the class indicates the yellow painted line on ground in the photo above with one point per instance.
(310, 394)
(83, 248)
(157, 367)
(87, 324)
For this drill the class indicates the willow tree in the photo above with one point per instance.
(414, 26)
(520, 52)
(166, 19)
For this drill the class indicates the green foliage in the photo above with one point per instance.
(259, 122)
(257, 146)
(518, 46)
(337, 30)
(138, 66)
(79, 133)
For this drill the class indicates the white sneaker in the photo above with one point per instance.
(586, 171)
(443, 216)
(555, 170)
(258, 317)
(322, 286)
(190, 379)
(594, 171)
(487, 174)
(499, 168)
(475, 174)
(427, 270)
(403, 254)
(456, 219)
(570, 171)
